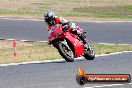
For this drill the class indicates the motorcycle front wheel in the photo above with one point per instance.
(65, 51)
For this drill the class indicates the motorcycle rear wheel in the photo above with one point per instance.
(89, 53)
(65, 51)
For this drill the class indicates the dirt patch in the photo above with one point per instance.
(16, 4)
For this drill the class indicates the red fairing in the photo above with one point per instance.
(57, 33)
(78, 46)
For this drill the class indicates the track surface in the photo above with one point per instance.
(63, 74)
(113, 32)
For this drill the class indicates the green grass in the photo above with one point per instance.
(34, 51)
(112, 15)
(129, 8)
(20, 12)
(107, 49)
(27, 51)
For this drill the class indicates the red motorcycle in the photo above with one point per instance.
(69, 45)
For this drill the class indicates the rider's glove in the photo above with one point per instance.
(65, 28)
(74, 31)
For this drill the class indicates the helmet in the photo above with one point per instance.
(49, 18)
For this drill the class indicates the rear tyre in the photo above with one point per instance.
(65, 51)
(89, 53)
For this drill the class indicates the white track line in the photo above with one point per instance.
(23, 40)
(109, 86)
(7, 18)
(114, 53)
(113, 44)
(109, 21)
(60, 60)
(35, 62)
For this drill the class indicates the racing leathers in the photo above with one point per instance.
(65, 26)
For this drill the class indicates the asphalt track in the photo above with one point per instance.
(63, 74)
(110, 32)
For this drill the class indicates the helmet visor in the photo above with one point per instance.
(49, 20)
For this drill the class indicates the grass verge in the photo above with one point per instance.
(37, 51)
(74, 8)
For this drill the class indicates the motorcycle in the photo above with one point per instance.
(69, 45)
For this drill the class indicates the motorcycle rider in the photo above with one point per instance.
(51, 19)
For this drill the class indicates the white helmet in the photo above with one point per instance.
(49, 18)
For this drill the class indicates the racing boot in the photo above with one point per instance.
(82, 37)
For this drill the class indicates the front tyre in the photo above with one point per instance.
(65, 51)
(89, 53)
